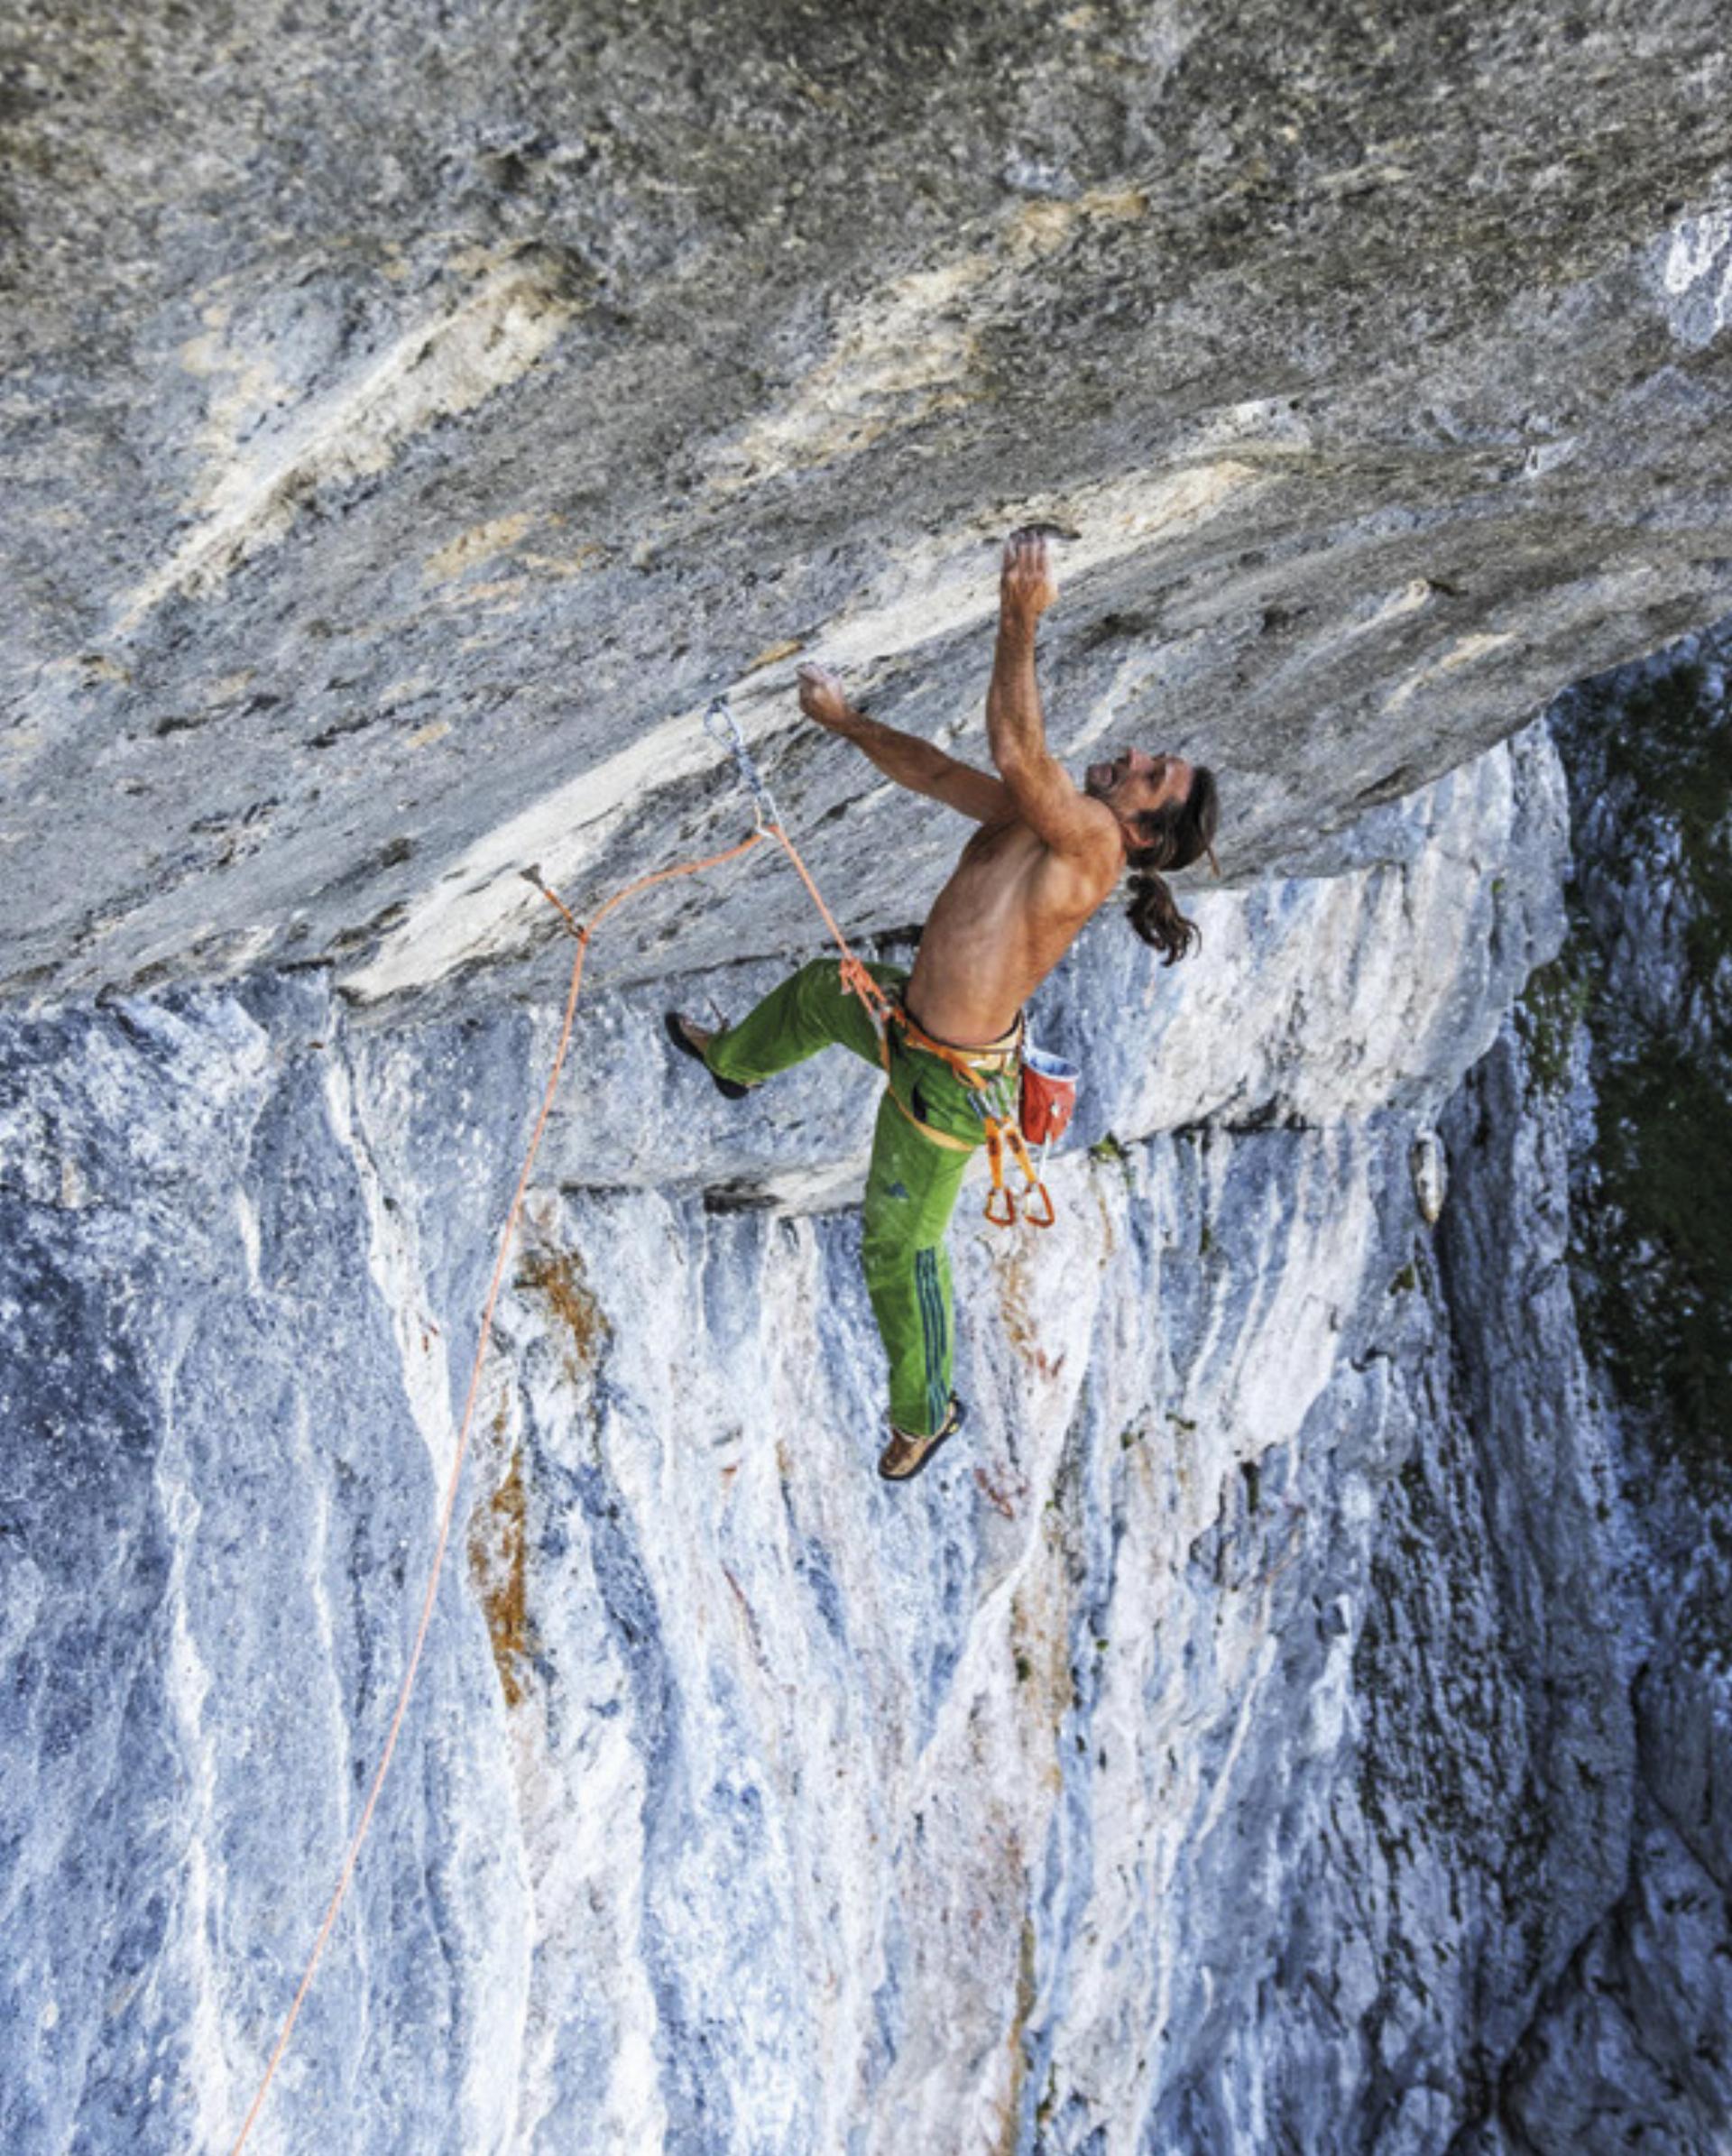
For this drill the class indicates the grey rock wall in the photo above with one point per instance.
(411, 422)
(217, 1462)
(1242, 1741)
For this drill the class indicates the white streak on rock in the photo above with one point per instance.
(902, 354)
(1461, 653)
(1696, 277)
(1431, 1175)
(442, 367)
(186, 1683)
(247, 1216)
(427, 1377)
(480, 908)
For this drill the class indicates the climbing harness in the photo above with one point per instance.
(992, 1077)
(1002, 1130)
(997, 1091)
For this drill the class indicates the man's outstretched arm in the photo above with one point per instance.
(1046, 796)
(904, 757)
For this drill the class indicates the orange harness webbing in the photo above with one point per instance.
(1003, 1131)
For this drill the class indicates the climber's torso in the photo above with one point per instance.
(1011, 909)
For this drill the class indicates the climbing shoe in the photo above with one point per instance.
(907, 1453)
(692, 1040)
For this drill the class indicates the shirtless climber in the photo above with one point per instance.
(1046, 858)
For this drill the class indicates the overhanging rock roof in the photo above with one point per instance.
(406, 433)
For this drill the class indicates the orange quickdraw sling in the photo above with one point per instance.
(976, 1068)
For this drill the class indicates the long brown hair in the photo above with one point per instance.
(1175, 834)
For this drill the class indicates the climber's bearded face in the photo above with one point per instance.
(1134, 782)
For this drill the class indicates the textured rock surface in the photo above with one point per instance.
(1245, 1741)
(408, 430)
(1296, 1719)
(1631, 1032)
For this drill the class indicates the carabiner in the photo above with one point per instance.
(722, 726)
(1034, 1219)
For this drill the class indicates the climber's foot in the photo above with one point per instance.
(907, 1453)
(693, 1040)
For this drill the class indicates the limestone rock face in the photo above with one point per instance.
(1629, 1033)
(410, 423)
(1294, 1716)
(1245, 1738)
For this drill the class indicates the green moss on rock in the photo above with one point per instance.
(1662, 1301)
(1552, 1006)
(1676, 746)
(1653, 1217)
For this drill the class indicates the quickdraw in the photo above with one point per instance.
(1036, 1192)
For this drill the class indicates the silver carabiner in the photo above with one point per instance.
(721, 725)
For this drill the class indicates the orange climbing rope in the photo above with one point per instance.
(886, 1013)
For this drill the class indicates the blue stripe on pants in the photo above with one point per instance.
(935, 1331)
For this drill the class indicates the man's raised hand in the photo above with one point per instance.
(1026, 585)
(823, 699)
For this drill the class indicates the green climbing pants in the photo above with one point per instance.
(912, 1185)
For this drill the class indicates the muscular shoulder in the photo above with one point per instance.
(1002, 835)
(1079, 878)
(1091, 834)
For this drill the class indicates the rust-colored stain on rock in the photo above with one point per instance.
(499, 1567)
(557, 1277)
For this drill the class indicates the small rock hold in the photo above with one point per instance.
(1431, 1175)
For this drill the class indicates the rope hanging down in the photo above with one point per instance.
(722, 725)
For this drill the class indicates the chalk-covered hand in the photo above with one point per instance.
(822, 700)
(1026, 585)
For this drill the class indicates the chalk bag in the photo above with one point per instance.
(1048, 1096)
